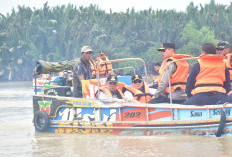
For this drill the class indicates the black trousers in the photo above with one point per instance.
(165, 99)
(207, 98)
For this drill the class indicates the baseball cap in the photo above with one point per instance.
(222, 45)
(136, 77)
(112, 78)
(101, 53)
(86, 49)
(167, 45)
(209, 48)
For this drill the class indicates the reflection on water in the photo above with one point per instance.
(17, 136)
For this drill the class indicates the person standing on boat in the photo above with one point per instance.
(82, 70)
(110, 92)
(139, 92)
(223, 48)
(106, 68)
(209, 80)
(177, 72)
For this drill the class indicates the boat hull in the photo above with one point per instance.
(76, 115)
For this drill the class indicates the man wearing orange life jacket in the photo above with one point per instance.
(176, 71)
(110, 92)
(209, 80)
(139, 92)
(105, 68)
(223, 48)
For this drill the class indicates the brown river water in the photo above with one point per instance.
(18, 138)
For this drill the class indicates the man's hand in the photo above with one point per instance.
(119, 100)
(230, 93)
(133, 101)
(153, 97)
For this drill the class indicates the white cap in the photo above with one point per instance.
(86, 49)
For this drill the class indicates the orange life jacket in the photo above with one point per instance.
(140, 96)
(93, 68)
(105, 68)
(229, 67)
(211, 76)
(179, 77)
(108, 93)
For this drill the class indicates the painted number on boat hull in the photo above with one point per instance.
(132, 114)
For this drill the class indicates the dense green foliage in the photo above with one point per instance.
(58, 33)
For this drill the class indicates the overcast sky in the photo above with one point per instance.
(116, 5)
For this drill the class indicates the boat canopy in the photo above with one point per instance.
(43, 67)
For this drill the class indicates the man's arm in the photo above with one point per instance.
(129, 96)
(227, 84)
(81, 77)
(165, 79)
(191, 80)
(104, 98)
(79, 72)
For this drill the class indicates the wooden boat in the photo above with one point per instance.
(88, 115)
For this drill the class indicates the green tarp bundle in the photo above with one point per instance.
(43, 67)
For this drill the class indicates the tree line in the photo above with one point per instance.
(58, 33)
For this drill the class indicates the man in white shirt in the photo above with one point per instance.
(110, 92)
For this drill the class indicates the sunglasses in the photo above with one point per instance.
(163, 50)
(137, 81)
(89, 52)
(221, 49)
(112, 83)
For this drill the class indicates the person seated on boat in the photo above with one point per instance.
(223, 48)
(60, 80)
(106, 68)
(139, 91)
(209, 80)
(82, 70)
(68, 75)
(110, 92)
(176, 72)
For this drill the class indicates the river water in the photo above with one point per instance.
(18, 138)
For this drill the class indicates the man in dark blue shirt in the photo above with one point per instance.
(209, 80)
(82, 70)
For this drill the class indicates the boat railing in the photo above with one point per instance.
(123, 69)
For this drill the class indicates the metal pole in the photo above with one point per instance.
(35, 80)
(167, 68)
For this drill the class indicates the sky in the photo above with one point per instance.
(116, 5)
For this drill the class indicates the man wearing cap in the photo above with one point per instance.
(139, 92)
(106, 68)
(209, 80)
(82, 70)
(110, 92)
(223, 48)
(176, 72)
